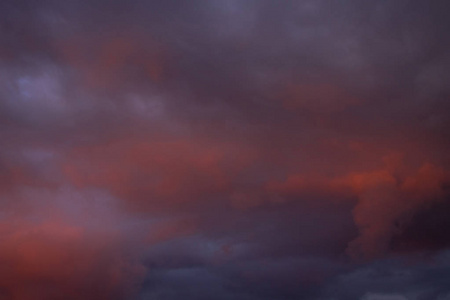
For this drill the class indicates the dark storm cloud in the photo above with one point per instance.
(394, 279)
(224, 149)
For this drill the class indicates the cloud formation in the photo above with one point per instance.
(224, 149)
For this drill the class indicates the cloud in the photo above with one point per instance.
(370, 296)
(65, 244)
(233, 149)
(54, 260)
(157, 174)
(386, 205)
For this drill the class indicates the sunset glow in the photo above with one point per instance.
(224, 149)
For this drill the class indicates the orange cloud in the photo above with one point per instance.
(55, 260)
(386, 204)
(157, 174)
(386, 198)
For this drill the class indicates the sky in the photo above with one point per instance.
(224, 149)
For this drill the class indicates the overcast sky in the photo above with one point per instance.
(224, 149)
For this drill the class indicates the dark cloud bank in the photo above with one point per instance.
(224, 150)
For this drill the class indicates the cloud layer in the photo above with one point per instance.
(224, 150)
